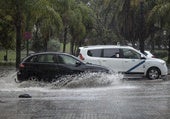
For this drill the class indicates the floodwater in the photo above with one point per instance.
(85, 96)
(81, 82)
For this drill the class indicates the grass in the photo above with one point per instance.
(11, 55)
(67, 48)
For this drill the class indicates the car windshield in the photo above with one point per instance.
(65, 59)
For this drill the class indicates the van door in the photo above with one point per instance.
(94, 56)
(132, 62)
(111, 59)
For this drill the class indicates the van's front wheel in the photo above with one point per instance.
(153, 73)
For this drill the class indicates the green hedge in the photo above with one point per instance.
(7, 63)
(160, 54)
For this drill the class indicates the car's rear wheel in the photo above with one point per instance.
(33, 78)
(153, 73)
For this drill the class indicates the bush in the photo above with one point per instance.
(160, 54)
(7, 63)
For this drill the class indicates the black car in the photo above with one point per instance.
(50, 65)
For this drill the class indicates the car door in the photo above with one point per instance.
(47, 66)
(111, 59)
(68, 65)
(132, 62)
(31, 66)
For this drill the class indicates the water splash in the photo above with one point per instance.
(87, 80)
(6, 77)
(84, 80)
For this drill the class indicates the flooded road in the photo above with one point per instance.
(88, 96)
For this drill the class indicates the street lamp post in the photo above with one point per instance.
(27, 36)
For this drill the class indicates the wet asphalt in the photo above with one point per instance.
(123, 99)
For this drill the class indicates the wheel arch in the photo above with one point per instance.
(147, 71)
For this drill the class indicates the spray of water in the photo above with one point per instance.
(84, 80)
(6, 79)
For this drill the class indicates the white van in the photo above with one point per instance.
(123, 59)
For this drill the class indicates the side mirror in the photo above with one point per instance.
(142, 57)
(78, 63)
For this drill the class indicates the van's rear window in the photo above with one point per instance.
(94, 53)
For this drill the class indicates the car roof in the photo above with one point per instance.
(41, 53)
(103, 46)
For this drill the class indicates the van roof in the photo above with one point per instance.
(103, 46)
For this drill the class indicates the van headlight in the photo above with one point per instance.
(163, 63)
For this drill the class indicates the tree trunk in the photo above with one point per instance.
(152, 42)
(65, 39)
(45, 44)
(18, 21)
(169, 50)
(18, 44)
(141, 32)
(72, 46)
(6, 55)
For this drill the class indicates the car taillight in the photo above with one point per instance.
(21, 66)
(81, 56)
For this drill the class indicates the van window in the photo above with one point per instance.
(94, 53)
(111, 53)
(130, 54)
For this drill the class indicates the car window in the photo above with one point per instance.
(130, 54)
(111, 53)
(65, 59)
(145, 53)
(45, 58)
(94, 53)
(33, 59)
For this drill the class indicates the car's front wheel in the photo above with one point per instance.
(153, 73)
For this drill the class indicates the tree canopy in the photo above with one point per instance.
(84, 22)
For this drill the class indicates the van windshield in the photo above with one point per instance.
(130, 54)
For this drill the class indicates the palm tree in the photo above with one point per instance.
(81, 27)
(47, 22)
(66, 10)
(18, 10)
(160, 15)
